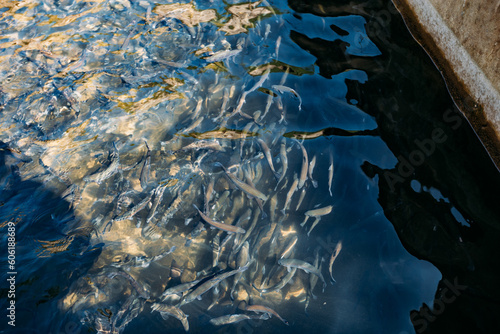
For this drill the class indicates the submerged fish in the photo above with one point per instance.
(144, 177)
(221, 226)
(284, 281)
(307, 267)
(335, 253)
(312, 163)
(242, 185)
(166, 310)
(267, 153)
(222, 55)
(235, 318)
(198, 292)
(111, 170)
(265, 309)
(282, 89)
(305, 163)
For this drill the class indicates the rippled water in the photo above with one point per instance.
(115, 116)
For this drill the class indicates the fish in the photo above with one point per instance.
(222, 55)
(301, 198)
(142, 293)
(204, 145)
(215, 250)
(235, 318)
(209, 192)
(288, 249)
(305, 163)
(224, 227)
(166, 310)
(278, 43)
(144, 176)
(193, 125)
(134, 210)
(200, 290)
(335, 253)
(178, 289)
(315, 222)
(243, 96)
(259, 201)
(111, 170)
(241, 261)
(267, 153)
(197, 109)
(313, 279)
(158, 195)
(284, 281)
(307, 267)
(246, 130)
(293, 188)
(330, 175)
(225, 100)
(283, 160)
(262, 308)
(317, 213)
(242, 185)
(144, 262)
(281, 89)
(312, 163)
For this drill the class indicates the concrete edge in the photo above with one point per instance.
(469, 87)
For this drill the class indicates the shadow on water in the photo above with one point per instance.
(442, 195)
(51, 251)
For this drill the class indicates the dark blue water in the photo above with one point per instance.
(87, 87)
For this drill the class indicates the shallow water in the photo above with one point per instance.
(81, 107)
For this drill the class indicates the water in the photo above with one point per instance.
(93, 85)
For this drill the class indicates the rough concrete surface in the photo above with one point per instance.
(463, 38)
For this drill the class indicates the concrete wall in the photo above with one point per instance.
(463, 38)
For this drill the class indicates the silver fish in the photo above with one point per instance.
(282, 89)
(267, 153)
(199, 291)
(319, 212)
(265, 309)
(307, 267)
(209, 192)
(293, 188)
(135, 209)
(301, 198)
(224, 227)
(144, 177)
(235, 318)
(312, 163)
(108, 172)
(143, 293)
(243, 186)
(288, 249)
(305, 163)
(283, 160)
(178, 289)
(204, 144)
(330, 174)
(284, 281)
(222, 55)
(166, 310)
(335, 253)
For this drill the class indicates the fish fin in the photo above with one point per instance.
(315, 183)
